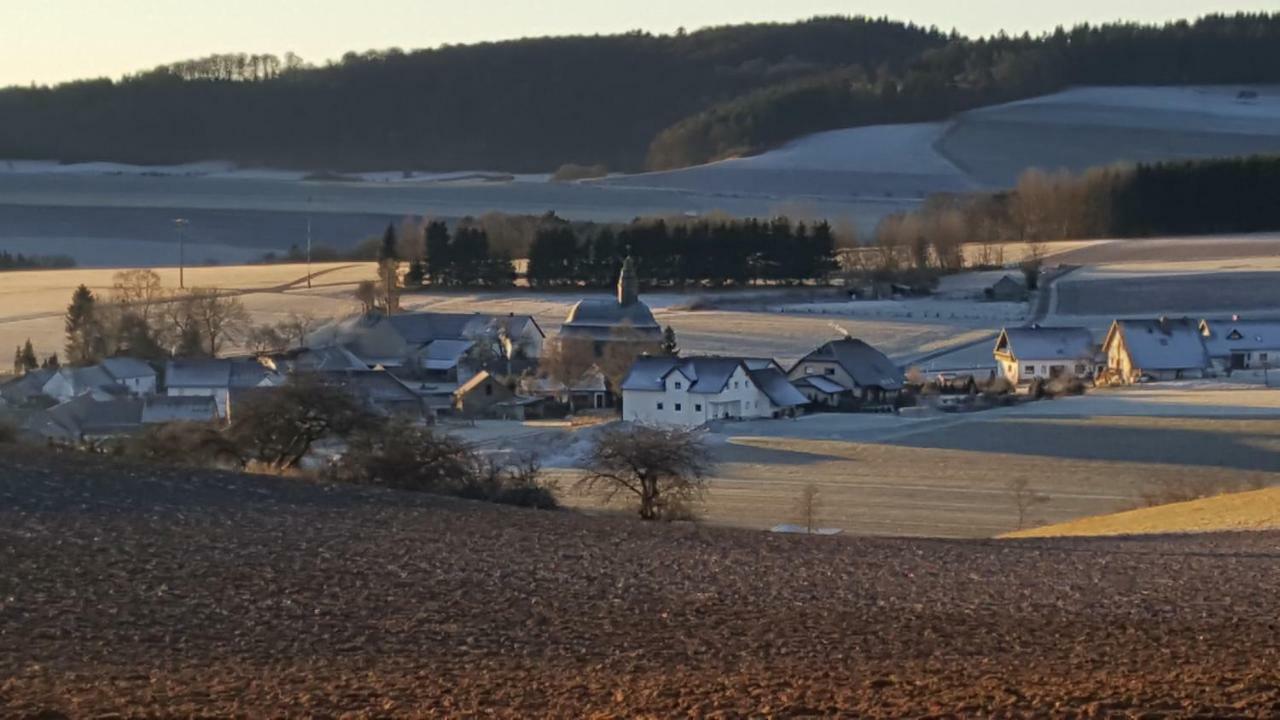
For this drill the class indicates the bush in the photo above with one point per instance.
(407, 457)
(182, 443)
(1064, 385)
(8, 433)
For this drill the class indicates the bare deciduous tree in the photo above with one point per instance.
(140, 289)
(565, 361)
(1024, 498)
(663, 469)
(295, 328)
(367, 293)
(219, 318)
(808, 506)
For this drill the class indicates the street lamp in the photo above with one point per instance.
(180, 224)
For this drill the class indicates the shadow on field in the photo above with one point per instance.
(1242, 450)
(739, 452)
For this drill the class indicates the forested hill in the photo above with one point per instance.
(624, 101)
(526, 105)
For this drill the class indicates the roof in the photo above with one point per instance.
(610, 313)
(218, 373)
(475, 382)
(21, 390)
(866, 365)
(422, 328)
(1164, 344)
(1046, 343)
(372, 386)
(707, 375)
(775, 385)
(822, 384)
(193, 408)
(391, 339)
(1223, 338)
(445, 354)
(84, 416)
(85, 379)
(122, 368)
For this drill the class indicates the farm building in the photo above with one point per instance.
(217, 378)
(590, 391)
(478, 396)
(625, 319)
(865, 375)
(1241, 344)
(67, 383)
(1007, 289)
(692, 391)
(136, 376)
(433, 344)
(1163, 349)
(1024, 354)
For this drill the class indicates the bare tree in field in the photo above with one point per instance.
(808, 506)
(140, 289)
(1024, 498)
(367, 293)
(664, 470)
(219, 318)
(566, 361)
(295, 328)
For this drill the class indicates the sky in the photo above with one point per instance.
(49, 41)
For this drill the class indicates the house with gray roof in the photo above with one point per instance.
(28, 389)
(83, 419)
(136, 376)
(1161, 349)
(217, 378)
(160, 409)
(865, 375)
(70, 382)
(1026, 353)
(378, 391)
(1238, 344)
(688, 392)
(624, 319)
(432, 344)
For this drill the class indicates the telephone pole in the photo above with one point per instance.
(308, 242)
(181, 225)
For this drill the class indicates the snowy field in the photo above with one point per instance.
(1092, 126)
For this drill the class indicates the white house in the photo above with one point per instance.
(1163, 349)
(67, 383)
(1242, 344)
(138, 377)
(1027, 353)
(689, 392)
(847, 372)
(216, 378)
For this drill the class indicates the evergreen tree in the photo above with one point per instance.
(467, 254)
(85, 337)
(28, 356)
(435, 252)
(389, 271)
(50, 363)
(669, 345)
(134, 338)
(18, 367)
(498, 270)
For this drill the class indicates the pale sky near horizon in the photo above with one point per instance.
(48, 41)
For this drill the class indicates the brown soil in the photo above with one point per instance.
(146, 592)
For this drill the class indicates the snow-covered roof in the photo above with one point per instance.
(775, 385)
(218, 373)
(124, 368)
(1223, 338)
(1046, 343)
(706, 375)
(85, 416)
(445, 354)
(1164, 344)
(866, 365)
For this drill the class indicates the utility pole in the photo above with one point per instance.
(181, 225)
(308, 242)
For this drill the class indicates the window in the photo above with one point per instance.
(735, 384)
(488, 388)
(830, 371)
(697, 408)
(808, 370)
(1262, 358)
(1029, 370)
(679, 385)
(677, 407)
(659, 406)
(1080, 369)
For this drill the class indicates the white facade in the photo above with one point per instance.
(1019, 370)
(675, 405)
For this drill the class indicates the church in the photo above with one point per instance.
(622, 320)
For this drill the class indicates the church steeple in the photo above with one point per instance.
(628, 286)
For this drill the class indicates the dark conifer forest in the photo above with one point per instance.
(625, 102)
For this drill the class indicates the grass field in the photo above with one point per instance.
(1253, 510)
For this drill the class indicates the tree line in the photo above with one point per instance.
(141, 318)
(18, 261)
(1230, 195)
(967, 74)
(715, 253)
(621, 102)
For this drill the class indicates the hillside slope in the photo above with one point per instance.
(144, 592)
(1255, 510)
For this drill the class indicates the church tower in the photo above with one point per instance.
(628, 286)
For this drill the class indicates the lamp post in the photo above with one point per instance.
(308, 242)
(180, 224)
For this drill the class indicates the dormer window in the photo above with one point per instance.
(679, 385)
